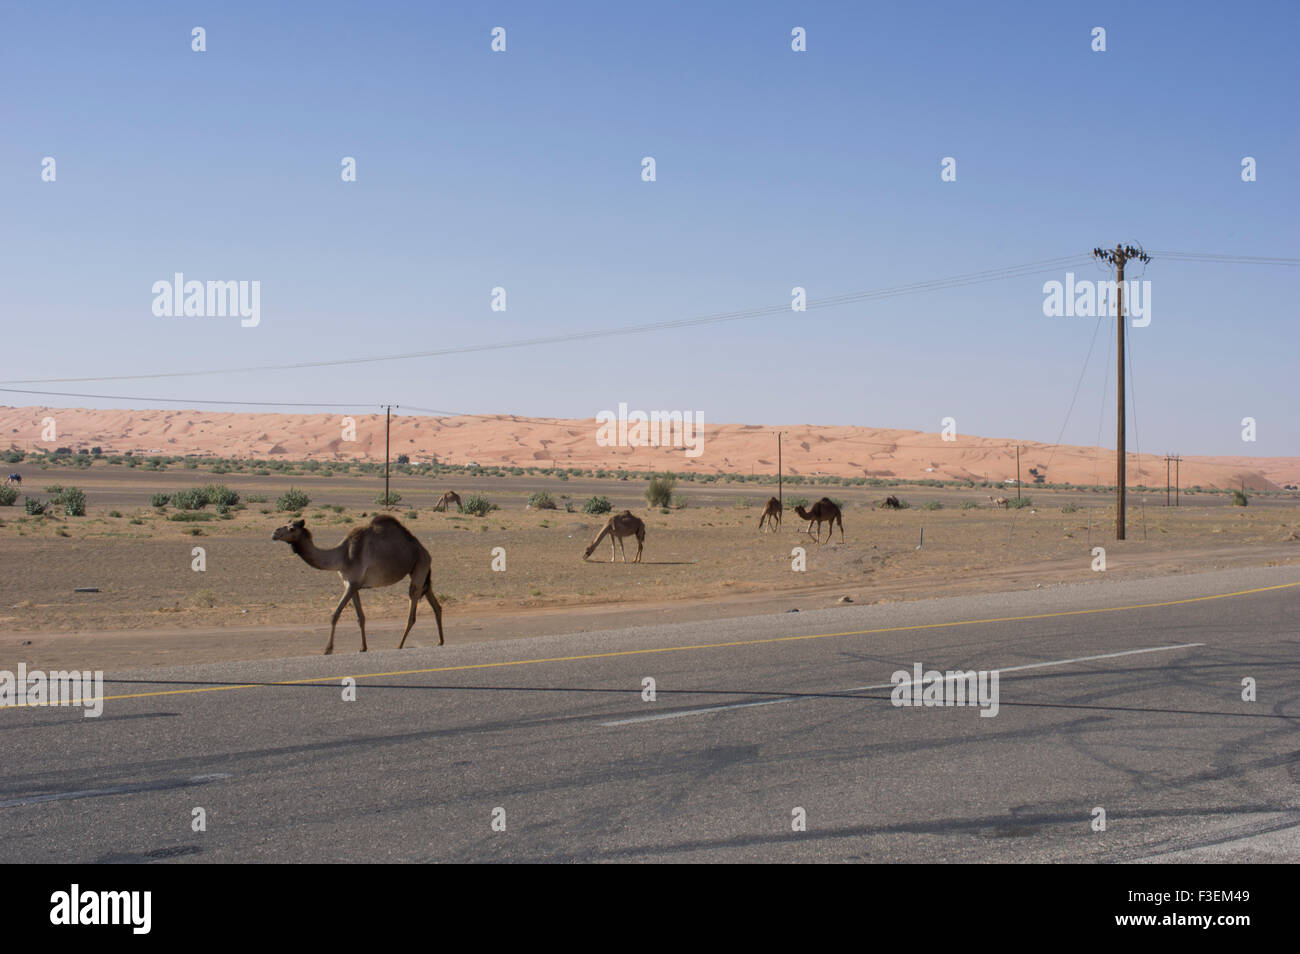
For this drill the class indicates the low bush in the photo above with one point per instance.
(292, 499)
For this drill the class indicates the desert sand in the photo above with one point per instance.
(548, 442)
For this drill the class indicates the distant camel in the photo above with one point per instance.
(380, 554)
(892, 503)
(998, 501)
(771, 515)
(446, 500)
(618, 526)
(15, 479)
(826, 511)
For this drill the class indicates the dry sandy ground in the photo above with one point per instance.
(255, 599)
(548, 442)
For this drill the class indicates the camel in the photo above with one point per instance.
(15, 479)
(446, 500)
(823, 510)
(380, 554)
(771, 515)
(618, 526)
(892, 503)
(998, 501)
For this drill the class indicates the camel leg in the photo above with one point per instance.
(361, 617)
(417, 593)
(437, 607)
(338, 611)
(622, 549)
(640, 545)
(613, 550)
(841, 523)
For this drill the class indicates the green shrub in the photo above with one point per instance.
(159, 500)
(1239, 499)
(389, 499)
(33, 506)
(660, 491)
(74, 502)
(597, 505)
(796, 502)
(969, 505)
(8, 495)
(478, 505)
(292, 499)
(932, 505)
(1069, 508)
(189, 516)
(1020, 503)
(542, 501)
(218, 494)
(192, 499)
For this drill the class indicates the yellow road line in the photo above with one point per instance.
(680, 649)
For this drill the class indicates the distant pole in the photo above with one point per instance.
(388, 417)
(1178, 464)
(780, 479)
(1017, 471)
(1167, 462)
(1117, 257)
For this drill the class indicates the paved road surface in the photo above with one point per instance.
(1134, 710)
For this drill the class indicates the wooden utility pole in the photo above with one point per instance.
(1167, 460)
(1118, 257)
(388, 419)
(1017, 471)
(1178, 466)
(780, 478)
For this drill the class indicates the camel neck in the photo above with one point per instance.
(314, 556)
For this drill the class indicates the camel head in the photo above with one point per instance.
(586, 553)
(803, 514)
(292, 533)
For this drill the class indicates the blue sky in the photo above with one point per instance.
(774, 169)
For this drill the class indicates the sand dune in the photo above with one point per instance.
(545, 442)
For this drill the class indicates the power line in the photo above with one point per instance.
(957, 281)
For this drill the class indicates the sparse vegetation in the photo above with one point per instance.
(660, 491)
(1239, 499)
(8, 495)
(597, 505)
(541, 501)
(159, 500)
(292, 499)
(478, 505)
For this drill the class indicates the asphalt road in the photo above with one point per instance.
(1134, 710)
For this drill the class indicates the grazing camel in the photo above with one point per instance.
(380, 554)
(618, 526)
(998, 501)
(771, 515)
(826, 511)
(446, 500)
(892, 503)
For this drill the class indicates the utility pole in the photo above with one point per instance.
(1167, 460)
(1178, 466)
(388, 419)
(1017, 471)
(1118, 257)
(780, 477)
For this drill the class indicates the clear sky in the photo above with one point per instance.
(774, 169)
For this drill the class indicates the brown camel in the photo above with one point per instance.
(380, 554)
(771, 515)
(826, 511)
(446, 500)
(618, 526)
(892, 503)
(998, 501)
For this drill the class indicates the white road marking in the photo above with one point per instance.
(888, 685)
